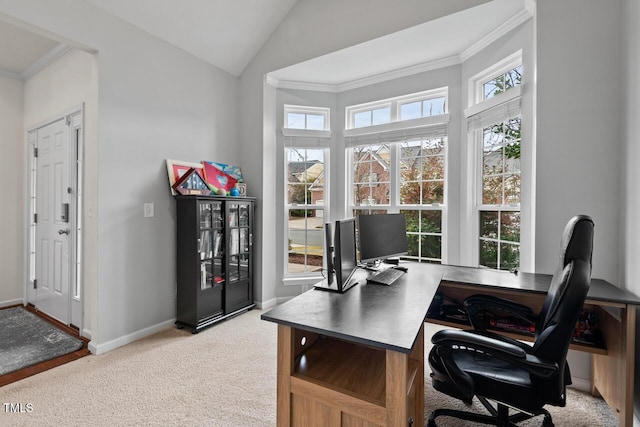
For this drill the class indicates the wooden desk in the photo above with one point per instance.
(612, 371)
(357, 358)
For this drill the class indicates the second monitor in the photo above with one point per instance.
(382, 236)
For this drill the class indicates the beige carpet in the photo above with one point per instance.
(223, 376)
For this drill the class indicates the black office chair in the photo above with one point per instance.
(515, 375)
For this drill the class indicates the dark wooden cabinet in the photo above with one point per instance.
(215, 259)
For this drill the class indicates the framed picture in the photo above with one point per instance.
(191, 183)
(177, 168)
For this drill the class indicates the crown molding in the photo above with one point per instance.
(365, 81)
(514, 22)
(11, 75)
(399, 73)
(45, 60)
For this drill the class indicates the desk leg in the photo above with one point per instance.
(397, 365)
(405, 385)
(613, 373)
(285, 369)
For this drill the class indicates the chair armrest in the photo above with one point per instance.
(476, 341)
(478, 305)
(511, 353)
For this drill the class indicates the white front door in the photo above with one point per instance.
(53, 222)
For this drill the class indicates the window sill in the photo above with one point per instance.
(301, 280)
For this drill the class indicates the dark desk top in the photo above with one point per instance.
(390, 317)
(599, 290)
(387, 317)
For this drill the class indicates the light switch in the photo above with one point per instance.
(148, 210)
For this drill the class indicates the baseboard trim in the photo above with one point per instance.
(266, 305)
(7, 303)
(129, 338)
(86, 333)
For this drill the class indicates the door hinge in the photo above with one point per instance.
(35, 283)
(35, 151)
(67, 120)
(35, 218)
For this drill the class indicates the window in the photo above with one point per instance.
(307, 136)
(402, 168)
(307, 118)
(371, 179)
(408, 107)
(500, 229)
(495, 123)
(501, 83)
(413, 172)
(375, 116)
(305, 209)
(422, 108)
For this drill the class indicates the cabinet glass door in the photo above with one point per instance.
(239, 241)
(211, 244)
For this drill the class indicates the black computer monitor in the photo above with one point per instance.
(328, 252)
(382, 236)
(345, 258)
(341, 258)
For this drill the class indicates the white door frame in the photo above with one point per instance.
(75, 117)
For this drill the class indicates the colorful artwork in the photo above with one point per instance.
(219, 181)
(177, 168)
(231, 170)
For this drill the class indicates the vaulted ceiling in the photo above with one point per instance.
(229, 33)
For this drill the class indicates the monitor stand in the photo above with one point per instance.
(324, 285)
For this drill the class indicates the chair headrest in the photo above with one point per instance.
(577, 240)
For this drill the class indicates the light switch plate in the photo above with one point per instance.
(148, 210)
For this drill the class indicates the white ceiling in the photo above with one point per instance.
(229, 33)
(225, 33)
(433, 44)
(21, 50)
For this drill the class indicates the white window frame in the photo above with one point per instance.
(307, 110)
(476, 93)
(478, 105)
(307, 139)
(396, 131)
(394, 104)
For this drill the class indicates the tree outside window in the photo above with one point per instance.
(500, 228)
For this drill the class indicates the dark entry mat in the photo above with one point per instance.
(26, 339)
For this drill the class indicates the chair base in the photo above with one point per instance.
(499, 416)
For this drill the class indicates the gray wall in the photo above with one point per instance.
(630, 226)
(155, 102)
(11, 218)
(579, 124)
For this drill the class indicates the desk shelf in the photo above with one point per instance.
(517, 336)
(356, 370)
(331, 381)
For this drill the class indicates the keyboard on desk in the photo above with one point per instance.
(385, 277)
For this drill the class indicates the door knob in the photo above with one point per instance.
(63, 231)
